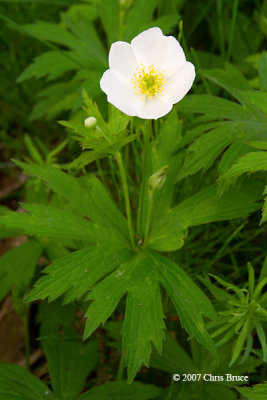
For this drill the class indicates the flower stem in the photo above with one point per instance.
(140, 216)
(126, 196)
(149, 214)
(121, 367)
(27, 340)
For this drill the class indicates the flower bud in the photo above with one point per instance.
(90, 122)
(156, 181)
(126, 4)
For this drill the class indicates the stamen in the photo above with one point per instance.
(148, 82)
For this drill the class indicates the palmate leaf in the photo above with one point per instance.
(88, 196)
(251, 162)
(120, 390)
(190, 302)
(49, 221)
(74, 274)
(69, 363)
(139, 278)
(174, 358)
(169, 230)
(256, 392)
(143, 321)
(207, 206)
(223, 123)
(229, 79)
(51, 64)
(18, 384)
(109, 274)
(101, 149)
(75, 46)
(248, 163)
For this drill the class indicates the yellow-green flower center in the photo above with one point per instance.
(148, 81)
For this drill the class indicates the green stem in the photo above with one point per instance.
(149, 214)
(27, 340)
(232, 30)
(126, 196)
(143, 184)
(121, 367)
(220, 27)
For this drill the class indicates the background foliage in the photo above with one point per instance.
(193, 298)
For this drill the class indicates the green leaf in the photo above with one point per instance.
(120, 390)
(167, 234)
(242, 336)
(88, 196)
(264, 210)
(74, 274)
(69, 363)
(54, 99)
(93, 111)
(204, 151)
(229, 79)
(254, 98)
(174, 359)
(110, 11)
(17, 266)
(164, 22)
(256, 392)
(117, 120)
(214, 106)
(140, 13)
(263, 71)
(251, 162)
(54, 317)
(206, 206)
(18, 384)
(143, 321)
(49, 221)
(262, 338)
(51, 64)
(52, 32)
(106, 296)
(190, 302)
(230, 155)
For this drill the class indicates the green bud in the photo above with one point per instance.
(90, 122)
(126, 4)
(156, 181)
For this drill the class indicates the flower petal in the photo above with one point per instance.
(154, 108)
(122, 58)
(179, 84)
(170, 56)
(146, 44)
(120, 92)
(164, 52)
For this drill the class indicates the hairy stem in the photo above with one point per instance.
(126, 196)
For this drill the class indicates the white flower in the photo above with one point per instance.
(147, 76)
